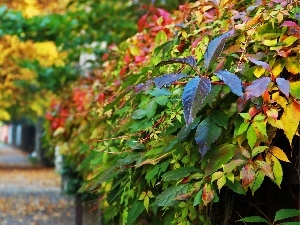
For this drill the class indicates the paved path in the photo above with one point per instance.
(30, 194)
(13, 157)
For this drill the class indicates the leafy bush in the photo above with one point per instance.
(187, 107)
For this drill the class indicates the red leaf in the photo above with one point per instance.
(290, 24)
(207, 194)
(265, 167)
(257, 88)
(247, 175)
(142, 22)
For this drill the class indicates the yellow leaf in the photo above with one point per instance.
(270, 42)
(259, 71)
(135, 51)
(277, 170)
(216, 175)
(184, 34)
(292, 65)
(146, 202)
(277, 68)
(142, 195)
(279, 154)
(275, 123)
(221, 182)
(279, 17)
(4, 115)
(58, 131)
(150, 195)
(290, 120)
(279, 99)
(290, 40)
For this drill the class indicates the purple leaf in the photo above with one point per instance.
(215, 48)
(207, 132)
(290, 24)
(190, 60)
(193, 95)
(258, 87)
(260, 63)
(167, 79)
(232, 81)
(142, 87)
(284, 86)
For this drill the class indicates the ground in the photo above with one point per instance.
(31, 194)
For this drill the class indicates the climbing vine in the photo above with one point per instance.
(188, 107)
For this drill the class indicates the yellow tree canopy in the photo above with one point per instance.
(32, 8)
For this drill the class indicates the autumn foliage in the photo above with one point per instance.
(186, 114)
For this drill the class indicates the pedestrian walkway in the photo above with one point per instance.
(31, 194)
(14, 157)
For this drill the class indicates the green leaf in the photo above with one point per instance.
(218, 156)
(268, 31)
(160, 37)
(261, 126)
(243, 127)
(179, 173)
(289, 223)
(166, 198)
(138, 114)
(157, 169)
(207, 133)
(233, 164)
(295, 89)
(258, 180)
(151, 109)
(277, 170)
(251, 136)
(135, 210)
(133, 144)
(160, 92)
(198, 198)
(146, 202)
(286, 213)
(185, 130)
(253, 219)
(258, 149)
(161, 100)
(193, 96)
(245, 116)
(220, 118)
(211, 97)
(236, 187)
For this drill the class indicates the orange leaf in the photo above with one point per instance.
(279, 154)
(208, 194)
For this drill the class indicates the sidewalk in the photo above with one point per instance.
(30, 194)
(13, 157)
